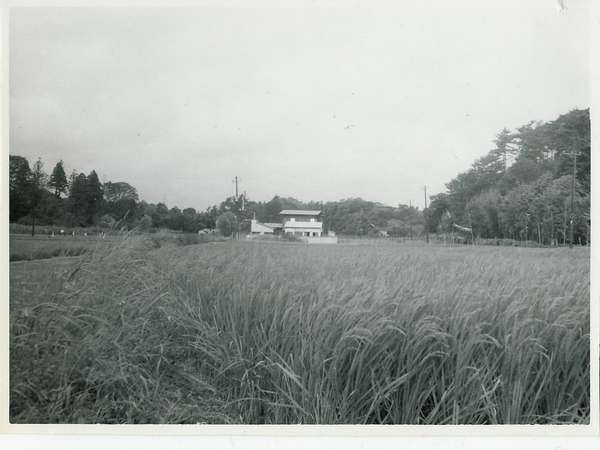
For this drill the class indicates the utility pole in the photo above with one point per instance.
(471, 227)
(425, 215)
(571, 232)
(236, 187)
(526, 228)
(410, 220)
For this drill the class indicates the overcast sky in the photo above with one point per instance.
(316, 101)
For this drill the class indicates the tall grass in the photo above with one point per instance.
(260, 333)
(42, 247)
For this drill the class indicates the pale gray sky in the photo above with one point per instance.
(317, 101)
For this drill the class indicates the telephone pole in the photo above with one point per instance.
(410, 220)
(236, 187)
(526, 228)
(425, 215)
(571, 232)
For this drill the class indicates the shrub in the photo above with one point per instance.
(227, 224)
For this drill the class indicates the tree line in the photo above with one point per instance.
(81, 200)
(353, 216)
(529, 186)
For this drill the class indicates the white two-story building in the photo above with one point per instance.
(300, 222)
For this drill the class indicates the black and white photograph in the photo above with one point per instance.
(300, 213)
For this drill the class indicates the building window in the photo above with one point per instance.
(312, 219)
(293, 219)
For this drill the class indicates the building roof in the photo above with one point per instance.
(258, 227)
(273, 225)
(299, 212)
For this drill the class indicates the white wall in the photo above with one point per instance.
(257, 227)
(322, 240)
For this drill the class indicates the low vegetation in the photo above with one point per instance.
(42, 247)
(27, 248)
(254, 332)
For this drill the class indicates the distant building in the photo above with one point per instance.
(257, 227)
(300, 222)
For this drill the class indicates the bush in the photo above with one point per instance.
(145, 223)
(227, 224)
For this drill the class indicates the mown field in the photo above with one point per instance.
(255, 332)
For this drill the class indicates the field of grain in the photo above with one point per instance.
(256, 332)
(26, 248)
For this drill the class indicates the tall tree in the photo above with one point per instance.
(115, 191)
(504, 149)
(160, 215)
(94, 196)
(38, 184)
(121, 201)
(77, 203)
(189, 220)
(175, 219)
(227, 224)
(19, 181)
(58, 180)
(273, 209)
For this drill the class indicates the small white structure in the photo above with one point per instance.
(257, 227)
(321, 240)
(300, 222)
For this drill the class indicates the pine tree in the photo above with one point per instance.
(37, 186)
(20, 179)
(58, 180)
(77, 201)
(94, 196)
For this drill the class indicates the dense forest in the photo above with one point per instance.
(528, 187)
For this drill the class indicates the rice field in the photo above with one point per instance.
(27, 248)
(287, 333)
